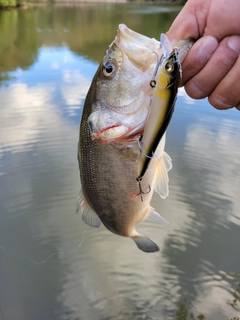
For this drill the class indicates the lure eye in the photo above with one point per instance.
(108, 69)
(169, 67)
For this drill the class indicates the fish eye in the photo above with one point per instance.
(169, 67)
(108, 69)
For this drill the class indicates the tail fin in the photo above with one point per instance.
(145, 244)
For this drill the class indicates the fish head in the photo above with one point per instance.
(123, 92)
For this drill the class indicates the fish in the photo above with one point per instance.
(116, 183)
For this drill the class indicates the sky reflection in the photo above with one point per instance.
(106, 277)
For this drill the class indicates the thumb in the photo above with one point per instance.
(186, 24)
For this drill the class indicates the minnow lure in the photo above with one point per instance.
(165, 83)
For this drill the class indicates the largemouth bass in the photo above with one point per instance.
(117, 108)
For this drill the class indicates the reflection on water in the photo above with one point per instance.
(53, 53)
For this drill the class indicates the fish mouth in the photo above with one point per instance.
(106, 135)
(124, 35)
(115, 133)
(141, 50)
(105, 127)
(138, 48)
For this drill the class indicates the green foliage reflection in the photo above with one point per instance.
(10, 3)
(19, 40)
(87, 30)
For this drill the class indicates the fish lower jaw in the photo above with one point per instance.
(108, 134)
(113, 133)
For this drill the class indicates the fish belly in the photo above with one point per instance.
(109, 185)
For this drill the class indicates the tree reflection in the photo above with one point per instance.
(88, 30)
(19, 40)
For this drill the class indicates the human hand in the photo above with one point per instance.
(212, 66)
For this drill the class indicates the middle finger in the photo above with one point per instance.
(222, 60)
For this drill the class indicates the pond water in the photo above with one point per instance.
(53, 266)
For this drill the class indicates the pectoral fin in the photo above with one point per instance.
(89, 216)
(161, 176)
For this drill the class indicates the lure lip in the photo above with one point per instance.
(166, 45)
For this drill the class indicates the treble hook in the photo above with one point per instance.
(141, 192)
(153, 82)
(141, 149)
(176, 50)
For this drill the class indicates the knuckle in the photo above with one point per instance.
(196, 90)
(226, 54)
(189, 69)
(234, 43)
(222, 102)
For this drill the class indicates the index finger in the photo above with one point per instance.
(198, 57)
(191, 21)
(184, 26)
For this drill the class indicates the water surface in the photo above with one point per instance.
(53, 266)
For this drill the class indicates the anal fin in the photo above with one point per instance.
(154, 216)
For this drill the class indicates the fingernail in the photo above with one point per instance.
(234, 43)
(208, 46)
